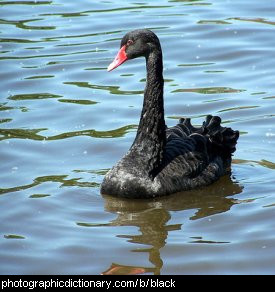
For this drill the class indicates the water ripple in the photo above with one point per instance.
(65, 122)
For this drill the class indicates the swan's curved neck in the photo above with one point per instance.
(151, 138)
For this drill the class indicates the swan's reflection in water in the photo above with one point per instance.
(152, 217)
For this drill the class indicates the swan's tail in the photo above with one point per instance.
(219, 140)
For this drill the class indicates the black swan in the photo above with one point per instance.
(162, 160)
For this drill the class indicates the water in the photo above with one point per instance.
(65, 121)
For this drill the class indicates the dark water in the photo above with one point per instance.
(65, 121)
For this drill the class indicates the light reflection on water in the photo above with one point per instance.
(64, 121)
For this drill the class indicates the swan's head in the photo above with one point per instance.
(137, 43)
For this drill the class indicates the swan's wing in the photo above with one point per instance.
(195, 148)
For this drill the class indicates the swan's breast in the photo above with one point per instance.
(120, 182)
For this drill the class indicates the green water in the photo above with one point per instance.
(64, 121)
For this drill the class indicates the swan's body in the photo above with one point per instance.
(164, 160)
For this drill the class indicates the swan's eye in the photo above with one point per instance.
(129, 42)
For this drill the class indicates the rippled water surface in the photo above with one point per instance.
(64, 121)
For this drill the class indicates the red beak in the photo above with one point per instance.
(120, 58)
